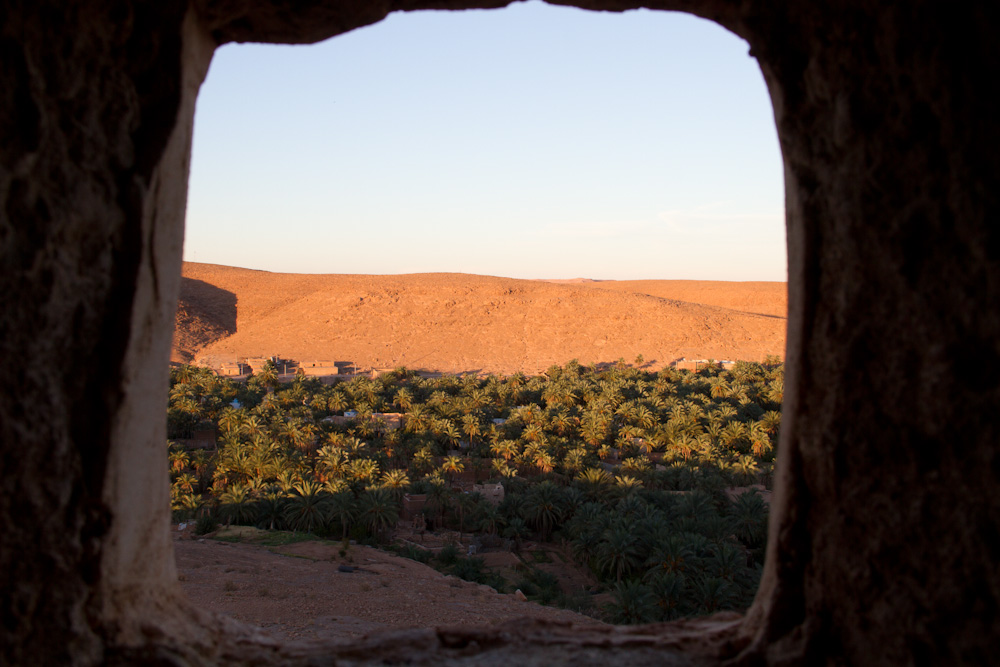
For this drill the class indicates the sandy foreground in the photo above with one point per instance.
(297, 591)
(465, 323)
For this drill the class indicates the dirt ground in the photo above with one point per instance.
(300, 591)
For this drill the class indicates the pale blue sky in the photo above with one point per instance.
(529, 142)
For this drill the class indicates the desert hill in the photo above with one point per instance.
(460, 323)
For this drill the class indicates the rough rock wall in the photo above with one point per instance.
(92, 189)
(890, 445)
(886, 497)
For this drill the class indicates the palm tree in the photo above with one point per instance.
(178, 459)
(696, 505)
(466, 503)
(619, 552)
(448, 432)
(544, 508)
(672, 554)
(271, 511)
(188, 504)
(343, 510)
(253, 425)
(749, 517)
(472, 427)
(669, 591)
(237, 506)
(760, 440)
(746, 469)
(502, 469)
(307, 507)
(489, 519)
(574, 460)
(337, 402)
(634, 603)
(186, 482)
(335, 486)
(507, 449)
(452, 465)
(378, 512)
(712, 594)
(771, 421)
(516, 530)
(728, 562)
(231, 420)
(627, 484)
(268, 375)
(395, 482)
(562, 422)
(543, 461)
(404, 399)
(363, 471)
(331, 463)
(201, 463)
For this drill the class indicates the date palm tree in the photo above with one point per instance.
(472, 427)
(670, 554)
(749, 518)
(544, 508)
(378, 512)
(507, 449)
(395, 482)
(331, 463)
(271, 510)
(712, 594)
(236, 505)
(179, 459)
(452, 465)
(619, 552)
(307, 507)
(516, 530)
(634, 603)
(669, 592)
(362, 470)
(627, 485)
(343, 510)
(404, 399)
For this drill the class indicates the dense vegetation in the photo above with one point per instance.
(627, 467)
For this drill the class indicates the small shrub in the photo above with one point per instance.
(470, 569)
(206, 524)
(541, 586)
(448, 555)
(416, 553)
(230, 586)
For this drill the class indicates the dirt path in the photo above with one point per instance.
(297, 591)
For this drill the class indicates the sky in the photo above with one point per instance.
(528, 142)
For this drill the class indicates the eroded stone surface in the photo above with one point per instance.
(885, 512)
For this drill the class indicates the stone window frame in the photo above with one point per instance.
(882, 510)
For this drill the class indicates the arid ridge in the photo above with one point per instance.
(468, 323)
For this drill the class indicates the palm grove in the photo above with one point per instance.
(629, 468)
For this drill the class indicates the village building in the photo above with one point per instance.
(392, 420)
(413, 505)
(492, 493)
(318, 368)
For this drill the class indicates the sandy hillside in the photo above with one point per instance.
(459, 322)
(762, 298)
